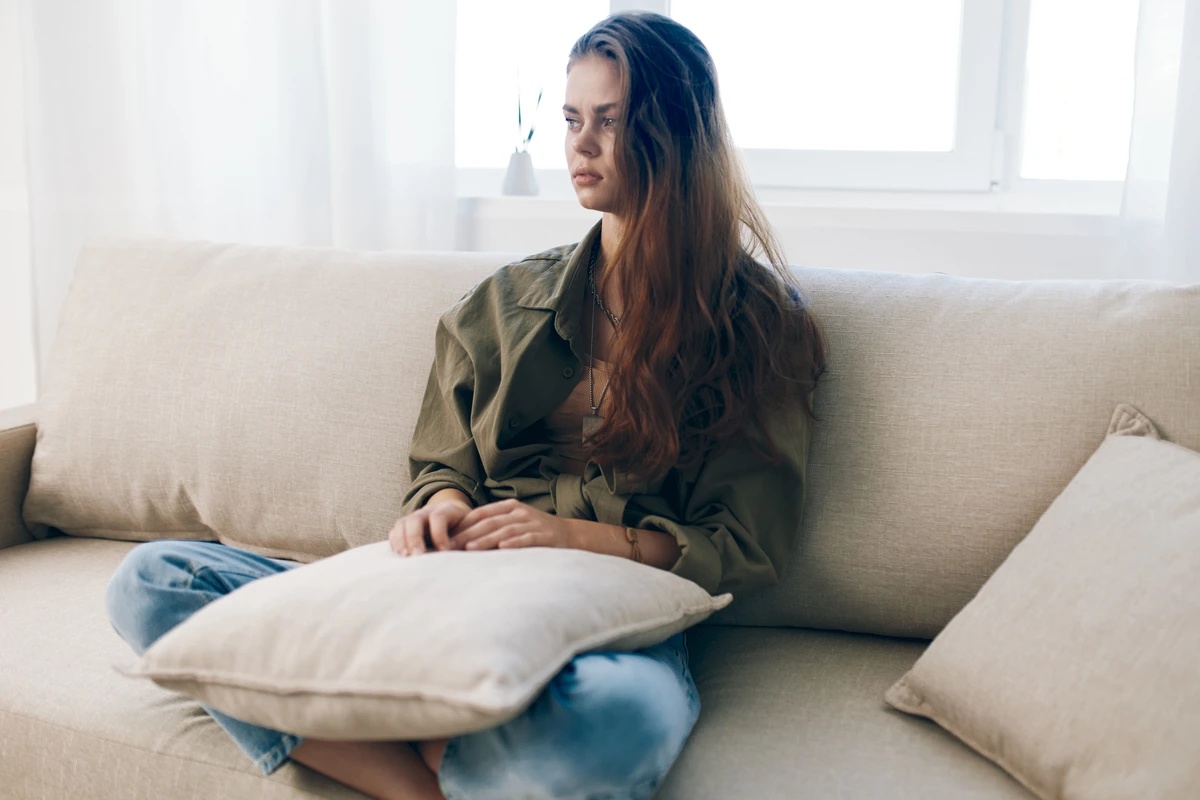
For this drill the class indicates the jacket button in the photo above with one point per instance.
(568, 372)
(513, 422)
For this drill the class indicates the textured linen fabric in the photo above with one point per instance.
(263, 397)
(266, 396)
(71, 727)
(786, 714)
(368, 644)
(512, 351)
(955, 410)
(1074, 667)
(795, 714)
(17, 437)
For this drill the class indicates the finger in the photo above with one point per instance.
(489, 510)
(530, 539)
(396, 537)
(421, 538)
(454, 513)
(464, 535)
(402, 537)
(495, 538)
(439, 530)
(414, 534)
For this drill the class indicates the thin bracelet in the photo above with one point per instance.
(632, 537)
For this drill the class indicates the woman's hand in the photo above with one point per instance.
(438, 519)
(511, 523)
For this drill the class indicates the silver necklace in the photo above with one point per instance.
(593, 420)
(592, 282)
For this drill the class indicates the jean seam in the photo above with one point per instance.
(194, 571)
(277, 754)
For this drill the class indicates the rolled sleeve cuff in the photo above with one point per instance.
(698, 559)
(428, 485)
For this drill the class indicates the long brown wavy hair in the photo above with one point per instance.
(711, 338)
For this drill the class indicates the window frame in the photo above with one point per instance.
(967, 167)
(985, 160)
(1096, 198)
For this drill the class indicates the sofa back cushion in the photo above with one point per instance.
(259, 396)
(955, 411)
(265, 397)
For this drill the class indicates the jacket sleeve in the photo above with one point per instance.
(443, 452)
(742, 515)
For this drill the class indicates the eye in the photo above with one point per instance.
(572, 123)
(610, 122)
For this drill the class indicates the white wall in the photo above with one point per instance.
(980, 244)
(16, 308)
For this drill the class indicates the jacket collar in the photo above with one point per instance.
(560, 286)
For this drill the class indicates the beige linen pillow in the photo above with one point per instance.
(368, 644)
(1075, 666)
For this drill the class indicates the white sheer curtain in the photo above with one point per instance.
(1160, 212)
(307, 122)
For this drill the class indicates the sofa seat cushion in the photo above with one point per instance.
(71, 726)
(786, 713)
(793, 713)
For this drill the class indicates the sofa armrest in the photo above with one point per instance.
(18, 433)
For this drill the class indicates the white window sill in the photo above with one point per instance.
(890, 213)
(1027, 207)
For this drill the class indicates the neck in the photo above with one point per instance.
(610, 234)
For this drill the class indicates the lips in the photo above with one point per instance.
(586, 177)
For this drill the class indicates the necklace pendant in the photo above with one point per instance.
(591, 423)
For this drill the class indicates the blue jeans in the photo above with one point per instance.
(608, 725)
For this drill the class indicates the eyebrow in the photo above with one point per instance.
(600, 109)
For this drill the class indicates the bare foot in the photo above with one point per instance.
(431, 752)
(382, 770)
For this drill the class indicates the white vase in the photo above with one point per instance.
(519, 179)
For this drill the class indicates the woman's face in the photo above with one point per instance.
(592, 107)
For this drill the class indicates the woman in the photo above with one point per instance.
(646, 393)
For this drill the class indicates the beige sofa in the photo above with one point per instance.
(264, 397)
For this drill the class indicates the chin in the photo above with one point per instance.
(592, 202)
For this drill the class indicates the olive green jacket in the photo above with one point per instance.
(507, 354)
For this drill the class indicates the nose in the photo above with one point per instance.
(584, 143)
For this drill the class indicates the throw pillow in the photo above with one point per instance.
(1074, 667)
(368, 644)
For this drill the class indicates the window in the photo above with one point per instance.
(868, 94)
(1078, 100)
(923, 95)
(853, 75)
